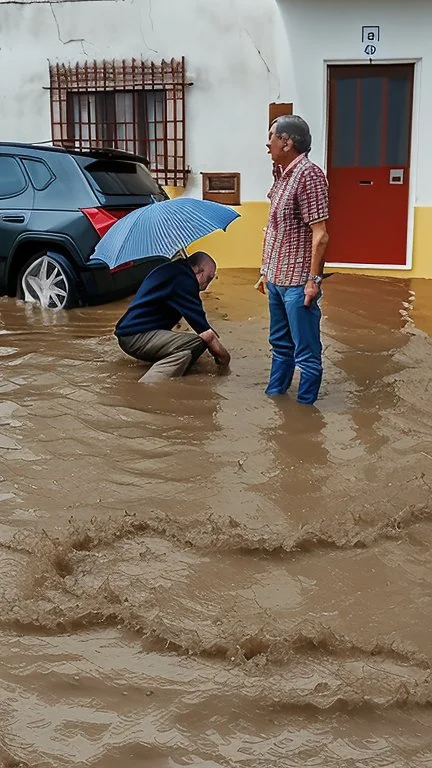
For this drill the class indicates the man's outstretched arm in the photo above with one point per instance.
(216, 348)
(189, 304)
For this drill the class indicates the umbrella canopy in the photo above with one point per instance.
(161, 229)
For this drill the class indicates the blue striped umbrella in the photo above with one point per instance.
(161, 229)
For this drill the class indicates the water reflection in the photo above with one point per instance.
(195, 574)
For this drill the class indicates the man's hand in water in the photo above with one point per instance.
(223, 359)
(216, 348)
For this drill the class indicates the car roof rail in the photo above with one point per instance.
(96, 152)
(101, 152)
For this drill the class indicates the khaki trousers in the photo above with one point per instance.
(171, 352)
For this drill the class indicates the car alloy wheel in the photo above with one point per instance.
(46, 282)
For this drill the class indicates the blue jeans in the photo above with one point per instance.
(295, 341)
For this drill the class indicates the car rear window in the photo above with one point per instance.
(119, 177)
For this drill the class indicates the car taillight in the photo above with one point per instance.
(126, 265)
(120, 212)
(102, 220)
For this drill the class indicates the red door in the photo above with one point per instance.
(368, 162)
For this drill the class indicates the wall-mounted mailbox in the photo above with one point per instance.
(221, 187)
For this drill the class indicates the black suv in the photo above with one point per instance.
(55, 205)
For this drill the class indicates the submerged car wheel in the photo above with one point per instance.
(49, 281)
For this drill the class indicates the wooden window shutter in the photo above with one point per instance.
(277, 110)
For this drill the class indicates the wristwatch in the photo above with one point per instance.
(317, 279)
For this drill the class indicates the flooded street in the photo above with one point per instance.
(197, 575)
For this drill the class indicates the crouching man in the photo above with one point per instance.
(167, 294)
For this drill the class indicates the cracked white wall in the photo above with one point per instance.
(230, 55)
(318, 31)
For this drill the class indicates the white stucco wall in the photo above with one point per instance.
(240, 54)
(316, 31)
(229, 50)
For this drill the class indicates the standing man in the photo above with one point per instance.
(167, 294)
(295, 242)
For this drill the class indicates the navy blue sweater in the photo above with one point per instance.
(167, 294)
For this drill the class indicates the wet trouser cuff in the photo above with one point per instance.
(308, 388)
(281, 375)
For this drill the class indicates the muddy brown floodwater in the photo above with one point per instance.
(198, 575)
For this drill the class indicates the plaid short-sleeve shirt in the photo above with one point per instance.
(298, 198)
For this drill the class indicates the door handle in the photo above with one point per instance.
(13, 219)
(366, 183)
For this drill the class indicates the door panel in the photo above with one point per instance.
(368, 162)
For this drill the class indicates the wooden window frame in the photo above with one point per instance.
(85, 111)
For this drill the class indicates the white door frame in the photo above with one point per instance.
(413, 151)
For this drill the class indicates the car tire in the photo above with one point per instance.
(49, 280)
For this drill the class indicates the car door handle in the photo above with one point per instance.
(11, 219)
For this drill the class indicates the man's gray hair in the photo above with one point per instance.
(297, 130)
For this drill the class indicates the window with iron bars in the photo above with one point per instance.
(137, 106)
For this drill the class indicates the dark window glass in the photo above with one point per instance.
(398, 122)
(133, 121)
(118, 177)
(344, 130)
(371, 117)
(40, 175)
(12, 179)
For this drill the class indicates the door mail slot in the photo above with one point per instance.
(396, 176)
(366, 182)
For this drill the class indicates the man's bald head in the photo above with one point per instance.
(204, 267)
